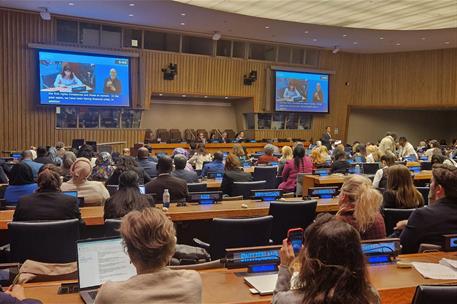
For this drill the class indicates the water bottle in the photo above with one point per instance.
(166, 198)
(357, 169)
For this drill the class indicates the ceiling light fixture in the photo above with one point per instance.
(130, 15)
(131, 4)
(71, 4)
(216, 36)
(183, 14)
(344, 35)
(267, 27)
(336, 49)
(381, 38)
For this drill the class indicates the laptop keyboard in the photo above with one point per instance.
(92, 294)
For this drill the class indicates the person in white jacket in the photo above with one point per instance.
(406, 148)
(388, 143)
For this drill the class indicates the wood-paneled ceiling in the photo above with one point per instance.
(373, 14)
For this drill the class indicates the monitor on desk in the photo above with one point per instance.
(266, 194)
(16, 155)
(426, 165)
(323, 192)
(79, 200)
(415, 169)
(381, 251)
(205, 198)
(322, 171)
(424, 158)
(218, 176)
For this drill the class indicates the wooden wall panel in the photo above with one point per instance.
(407, 80)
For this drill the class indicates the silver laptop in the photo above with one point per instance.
(264, 284)
(101, 260)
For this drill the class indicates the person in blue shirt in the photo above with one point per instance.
(216, 166)
(67, 78)
(27, 158)
(21, 183)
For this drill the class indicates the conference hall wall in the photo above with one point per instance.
(404, 80)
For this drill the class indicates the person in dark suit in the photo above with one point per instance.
(233, 173)
(126, 163)
(149, 166)
(340, 165)
(176, 186)
(427, 225)
(327, 138)
(112, 83)
(42, 156)
(180, 171)
(48, 203)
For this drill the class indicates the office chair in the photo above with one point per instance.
(175, 136)
(287, 215)
(442, 294)
(426, 165)
(235, 233)
(112, 227)
(244, 188)
(48, 242)
(393, 215)
(112, 189)
(197, 187)
(266, 173)
(424, 191)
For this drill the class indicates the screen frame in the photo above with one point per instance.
(328, 73)
(94, 54)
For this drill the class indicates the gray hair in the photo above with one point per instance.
(269, 149)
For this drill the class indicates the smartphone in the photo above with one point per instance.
(295, 238)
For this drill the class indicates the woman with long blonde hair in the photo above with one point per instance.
(401, 192)
(317, 158)
(286, 152)
(360, 205)
(373, 154)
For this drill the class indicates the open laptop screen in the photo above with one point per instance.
(102, 260)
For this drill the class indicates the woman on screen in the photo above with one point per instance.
(291, 93)
(67, 78)
(318, 96)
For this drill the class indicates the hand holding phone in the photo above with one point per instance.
(295, 238)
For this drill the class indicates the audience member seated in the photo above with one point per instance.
(216, 166)
(93, 192)
(340, 165)
(42, 156)
(400, 191)
(286, 154)
(3, 177)
(176, 186)
(185, 153)
(388, 143)
(27, 158)
(201, 138)
(149, 166)
(435, 149)
(200, 157)
(127, 197)
(15, 295)
(126, 163)
(150, 239)
(406, 148)
(240, 137)
(338, 148)
(67, 160)
(239, 152)
(373, 154)
(103, 167)
(233, 173)
(21, 183)
(360, 154)
(48, 203)
(427, 225)
(180, 171)
(299, 164)
(317, 159)
(360, 206)
(267, 157)
(422, 147)
(126, 152)
(331, 267)
(440, 159)
(87, 151)
(380, 178)
(224, 138)
(324, 154)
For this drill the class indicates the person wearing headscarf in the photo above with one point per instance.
(103, 167)
(182, 151)
(21, 183)
(94, 192)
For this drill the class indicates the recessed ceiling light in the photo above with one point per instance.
(267, 27)
(130, 15)
(381, 38)
(71, 4)
(423, 38)
(183, 14)
(398, 43)
(306, 32)
(131, 4)
(182, 23)
(447, 42)
(344, 35)
(183, 95)
(314, 39)
(355, 42)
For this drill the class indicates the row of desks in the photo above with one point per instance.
(395, 285)
(93, 216)
(250, 147)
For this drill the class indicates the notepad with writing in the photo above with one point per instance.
(445, 270)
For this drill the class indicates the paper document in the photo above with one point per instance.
(449, 263)
(435, 271)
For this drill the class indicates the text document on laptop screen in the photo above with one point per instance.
(103, 260)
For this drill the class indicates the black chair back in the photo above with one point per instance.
(112, 227)
(267, 173)
(393, 215)
(424, 191)
(48, 242)
(442, 294)
(235, 233)
(287, 215)
(244, 188)
(370, 168)
(112, 189)
(426, 165)
(197, 187)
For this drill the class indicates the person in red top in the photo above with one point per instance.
(299, 164)
(268, 156)
(360, 205)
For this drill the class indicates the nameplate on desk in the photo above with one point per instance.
(323, 192)
(205, 198)
(245, 257)
(381, 251)
(321, 172)
(266, 194)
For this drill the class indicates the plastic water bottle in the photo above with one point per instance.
(357, 169)
(166, 198)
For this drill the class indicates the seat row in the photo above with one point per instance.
(189, 135)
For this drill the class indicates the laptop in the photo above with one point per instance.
(263, 284)
(101, 260)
